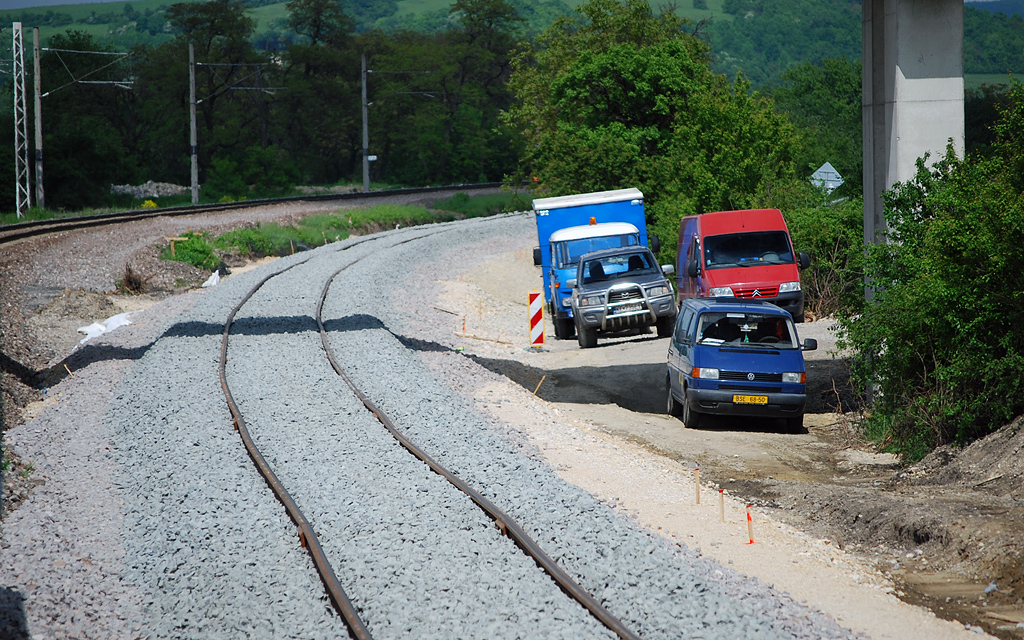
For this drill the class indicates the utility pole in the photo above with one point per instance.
(40, 199)
(366, 137)
(192, 116)
(23, 196)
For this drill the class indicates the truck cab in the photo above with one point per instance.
(744, 254)
(571, 226)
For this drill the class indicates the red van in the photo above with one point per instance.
(740, 254)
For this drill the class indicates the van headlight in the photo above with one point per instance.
(786, 287)
(592, 301)
(720, 292)
(794, 376)
(705, 373)
(567, 301)
(660, 290)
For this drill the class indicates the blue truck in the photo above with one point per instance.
(570, 226)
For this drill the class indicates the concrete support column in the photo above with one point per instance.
(913, 90)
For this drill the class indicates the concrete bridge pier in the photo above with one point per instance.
(913, 89)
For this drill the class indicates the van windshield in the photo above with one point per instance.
(746, 330)
(751, 249)
(568, 252)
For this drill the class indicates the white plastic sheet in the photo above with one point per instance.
(97, 329)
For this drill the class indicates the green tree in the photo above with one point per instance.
(769, 37)
(823, 100)
(620, 97)
(943, 344)
(87, 128)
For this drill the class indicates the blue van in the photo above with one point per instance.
(729, 357)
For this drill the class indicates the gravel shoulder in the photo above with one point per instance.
(836, 525)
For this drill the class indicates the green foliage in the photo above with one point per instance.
(195, 250)
(260, 173)
(942, 343)
(479, 206)
(619, 97)
(824, 103)
(832, 234)
(993, 42)
(769, 37)
(388, 215)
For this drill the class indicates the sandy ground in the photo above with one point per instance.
(605, 429)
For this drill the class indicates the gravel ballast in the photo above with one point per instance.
(204, 550)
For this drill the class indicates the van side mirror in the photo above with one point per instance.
(804, 260)
(810, 344)
(536, 256)
(668, 269)
(571, 284)
(655, 243)
(691, 269)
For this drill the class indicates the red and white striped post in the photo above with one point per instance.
(536, 319)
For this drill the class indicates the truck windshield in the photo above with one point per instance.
(624, 264)
(568, 253)
(751, 249)
(746, 330)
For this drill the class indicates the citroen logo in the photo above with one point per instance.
(756, 294)
(750, 377)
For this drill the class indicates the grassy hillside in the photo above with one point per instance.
(108, 20)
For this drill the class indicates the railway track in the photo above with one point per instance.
(32, 228)
(306, 534)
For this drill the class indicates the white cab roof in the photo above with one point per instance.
(593, 231)
(578, 200)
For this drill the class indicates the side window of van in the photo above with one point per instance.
(683, 336)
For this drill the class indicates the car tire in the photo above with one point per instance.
(673, 409)
(691, 419)
(795, 425)
(665, 326)
(587, 338)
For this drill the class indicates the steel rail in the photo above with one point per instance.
(31, 228)
(307, 537)
(504, 522)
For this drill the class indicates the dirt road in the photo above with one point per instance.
(931, 539)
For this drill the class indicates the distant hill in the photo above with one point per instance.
(760, 38)
(1009, 7)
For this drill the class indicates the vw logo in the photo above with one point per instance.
(750, 377)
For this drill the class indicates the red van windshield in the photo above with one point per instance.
(747, 249)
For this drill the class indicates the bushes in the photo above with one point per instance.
(833, 235)
(942, 344)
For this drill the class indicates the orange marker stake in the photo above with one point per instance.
(750, 526)
(721, 504)
(696, 480)
(463, 324)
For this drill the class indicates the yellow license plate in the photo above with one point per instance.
(750, 399)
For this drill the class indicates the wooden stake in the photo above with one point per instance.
(750, 526)
(539, 383)
(721, 504)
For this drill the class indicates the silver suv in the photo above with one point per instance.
(620, 289)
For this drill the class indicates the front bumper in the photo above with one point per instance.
(720, 402)
(619, 317)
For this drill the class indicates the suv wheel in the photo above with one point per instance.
(691, 419)
(586, 337)
(795, 425)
